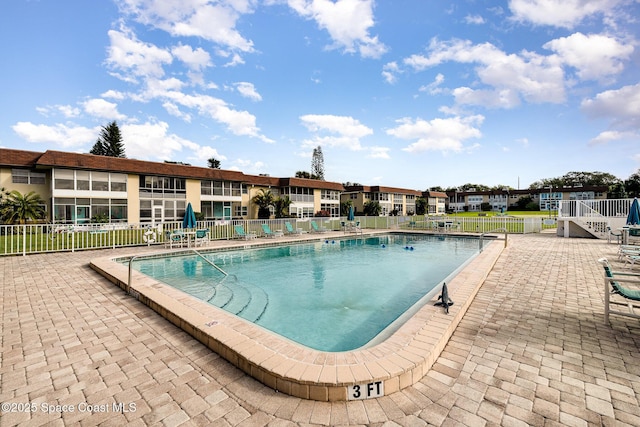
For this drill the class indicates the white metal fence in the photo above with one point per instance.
(38, 238)
(610, 208)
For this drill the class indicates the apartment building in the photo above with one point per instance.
(393, 201)
(504, 200)
(80, 187)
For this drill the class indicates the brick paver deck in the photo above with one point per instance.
(531, 350)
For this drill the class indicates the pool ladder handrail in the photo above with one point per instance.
(506, 234)
(211, 263)
(133, 258)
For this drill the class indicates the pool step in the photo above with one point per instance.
(244, 300)
(221, 297)
(200, 290)
(257, 306)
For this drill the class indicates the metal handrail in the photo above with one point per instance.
(506, 234)
(211, 263)
(130, 268)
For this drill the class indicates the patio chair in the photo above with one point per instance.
(174, 238)
(269, 233)
(240, 234)
(201, 237)
(624, 250)
(316, 228)
(614, 285)
(611, 233)
(291, 230)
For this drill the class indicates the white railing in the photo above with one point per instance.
(38, 238)
(609, 208)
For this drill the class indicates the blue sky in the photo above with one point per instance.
(407, 93)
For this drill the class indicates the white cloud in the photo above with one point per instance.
(474, 19)
(194, 59)
(347, 22)
(613, 135)
(66, 110)
(247, 90)
(620, 106)
(346, 131)
(595, 56)
(390, 71)
(438, 134)
(100, 108)
(559, 13)
(532, 77)
(152, 141)
(378, 153)
(211, 20)
(238, 122)
(433, 88)
(128, 55)
(63, 135)
(204, 153)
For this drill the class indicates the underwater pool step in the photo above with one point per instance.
(200, 290)
(257, 306)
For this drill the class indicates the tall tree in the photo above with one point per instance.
(632, 185)
(264, 200)
(303, 174)
(109, 142)
(281, 206)
(571, 179)
(213, 163)
(19, 208)
(317, 163)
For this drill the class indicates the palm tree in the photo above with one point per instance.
(264, 200)
(19, 208)
(213, 163)
(281, 206)
(372, 208)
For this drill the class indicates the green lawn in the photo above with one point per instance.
(541, 214)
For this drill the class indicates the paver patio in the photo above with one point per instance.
(531, 350)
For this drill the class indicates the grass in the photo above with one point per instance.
(541, 214)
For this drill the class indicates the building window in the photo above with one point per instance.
(25, 176)
(99, 181)
(63, 180)
(118, 182)
(83, 180)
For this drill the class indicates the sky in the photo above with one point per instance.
(404, 93)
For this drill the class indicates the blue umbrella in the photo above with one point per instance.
(189, 220)
(634, 213)
(351, 215)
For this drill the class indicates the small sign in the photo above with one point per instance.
(365, 391)
(549, 222)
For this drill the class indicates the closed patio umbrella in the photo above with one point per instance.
(634, 213)
(351, 215)
(189, 220)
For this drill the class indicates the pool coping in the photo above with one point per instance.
(394, 364)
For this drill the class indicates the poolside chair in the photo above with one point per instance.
(174, 238)
(291, 230)
(624, 250)
(240, 234)
(614, 285)
(201, 237)
(611, 233)
(269, 233)
(317, 229)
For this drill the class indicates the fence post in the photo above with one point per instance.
(24, 240)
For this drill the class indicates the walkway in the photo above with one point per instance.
(531, 350)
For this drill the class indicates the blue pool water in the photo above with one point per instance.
(333, 295)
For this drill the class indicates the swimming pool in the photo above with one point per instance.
(329, 295)
(384, 366)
